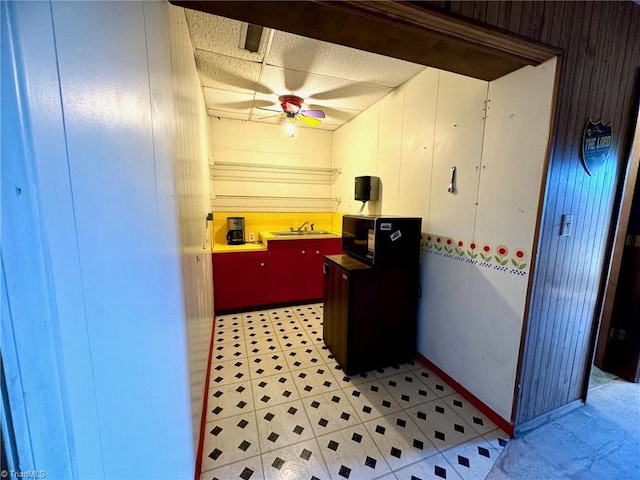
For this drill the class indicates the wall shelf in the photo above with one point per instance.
(254, 203)
(251, 172)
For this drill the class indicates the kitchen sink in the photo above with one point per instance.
(301, 233)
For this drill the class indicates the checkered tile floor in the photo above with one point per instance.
(279, 407)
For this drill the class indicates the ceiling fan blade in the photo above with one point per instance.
(312, 113)
(269, 109)
(247, 104)
(314, 122)
(270, 116)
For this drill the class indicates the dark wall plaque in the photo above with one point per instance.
(596, 143)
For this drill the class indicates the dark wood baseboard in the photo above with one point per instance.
(470, 397)
(205, 401)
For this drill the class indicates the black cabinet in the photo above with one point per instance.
(369, 313)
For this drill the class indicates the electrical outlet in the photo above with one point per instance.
(252, 237)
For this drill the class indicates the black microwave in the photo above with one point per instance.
(382, 241)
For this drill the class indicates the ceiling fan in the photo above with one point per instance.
(292, 110)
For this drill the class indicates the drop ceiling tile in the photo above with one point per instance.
(321, 90)
(219, 35)
(226, 101)
(308, 55)
(227, 73)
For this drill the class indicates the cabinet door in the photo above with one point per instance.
(336, 311)
(287, 272)
(317, 249)
(239, 280)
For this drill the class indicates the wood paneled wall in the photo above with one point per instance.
(601, 41)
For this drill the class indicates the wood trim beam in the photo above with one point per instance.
(406, 30)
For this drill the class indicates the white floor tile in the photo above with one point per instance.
(229, 351)
(432, 468)
(262, 345)
(291, 341)
(289, 325)
(229, 440)
(247, 469)
(330, 411)
(259, 330)
(389, 371)
(232, 371)
(371, 400)
(283, 425)
(474, 417)
(306, 357)
(266, 365)
(440, 388)
(300, 461)
(314, 381)
(351, 453)
(273, 390)
(407, 389)
(228, 335)
(473, 459)
(400, 440)
(229, 400)
(443, 427)
(497, 439)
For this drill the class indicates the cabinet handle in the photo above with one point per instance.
(344, 275)
(262, 264)
(303, 252)
(317, 252)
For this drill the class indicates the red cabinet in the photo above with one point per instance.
(315, 260)
(289, 271)
(240, 280)
(286, 276)
(295, 268)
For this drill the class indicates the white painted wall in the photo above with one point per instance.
(95, 107)
(471, 317)
(471, 314)
(192, 189)
(410, 139)
(267, 144)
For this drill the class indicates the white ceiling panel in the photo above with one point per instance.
(226, 101)
(219, 35)
(227, 73)
(308, 55)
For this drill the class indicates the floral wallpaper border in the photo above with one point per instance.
(499, 257)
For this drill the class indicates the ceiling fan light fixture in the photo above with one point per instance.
(290, 126)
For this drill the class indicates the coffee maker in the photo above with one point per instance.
(235, 230)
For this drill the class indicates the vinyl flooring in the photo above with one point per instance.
(279, 407)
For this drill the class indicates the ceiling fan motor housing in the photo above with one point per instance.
(290, 103)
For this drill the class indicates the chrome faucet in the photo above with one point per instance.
(300, 227)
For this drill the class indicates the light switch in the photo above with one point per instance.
(566, 226)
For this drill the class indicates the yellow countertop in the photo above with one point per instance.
(245, 247)
(266, 237)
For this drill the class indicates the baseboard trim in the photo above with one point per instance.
(205, 404)
(548, 417)
(470, 397)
